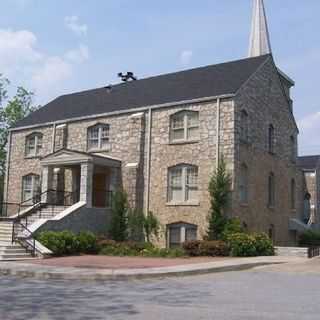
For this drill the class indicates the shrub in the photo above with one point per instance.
(219, 189)
(232, 226)
(60, 243)
(67, 243)
(87, 242)
(263, 244)
(206, 248)
(242, 245)
(310, 239)
(131, 248)
(119, 216)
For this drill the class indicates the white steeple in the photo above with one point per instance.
(259, 39)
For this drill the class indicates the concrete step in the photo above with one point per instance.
(19, 259)
(14, 256)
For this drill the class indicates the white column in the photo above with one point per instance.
(47, 175)
(86, 181)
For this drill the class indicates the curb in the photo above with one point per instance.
(52, 273)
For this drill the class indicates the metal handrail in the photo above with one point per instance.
(15, 237)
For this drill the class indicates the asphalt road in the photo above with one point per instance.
(261, 294)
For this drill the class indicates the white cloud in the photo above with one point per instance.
(309, 133)
(185, 57)
(78, 55)
(73, 23)
(25, 64)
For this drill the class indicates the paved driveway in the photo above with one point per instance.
(260, 294)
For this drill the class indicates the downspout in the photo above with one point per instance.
(147, 207)
(6, 190)
(218, 133)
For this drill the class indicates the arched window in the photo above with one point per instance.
(293, 194)
(33, 144)
(183, 183)
(184, 126)
(243, 187)
(271, 190)
(178, 233)
(244, 126)
(99, 137)
(307, 208)
(271, 139)
(293, 154)
(31, 188)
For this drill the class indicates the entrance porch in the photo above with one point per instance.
(70, 176)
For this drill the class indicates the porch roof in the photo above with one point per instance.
(70, 157)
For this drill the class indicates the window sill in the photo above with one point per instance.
(183, 142)
(244, 204)
(183, 204)
(270, 207)
(99, 150)
(32, 157)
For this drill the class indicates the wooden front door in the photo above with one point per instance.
(99, 194)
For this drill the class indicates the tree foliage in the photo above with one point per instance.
(219, 189)
(12, 109)
(118, 230)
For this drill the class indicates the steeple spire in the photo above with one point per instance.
(259, 39)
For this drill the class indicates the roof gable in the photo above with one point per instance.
(210, 81)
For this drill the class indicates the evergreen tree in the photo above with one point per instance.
(219, 189)
(119, 217)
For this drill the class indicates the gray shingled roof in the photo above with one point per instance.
(214, 80)
(309, 162)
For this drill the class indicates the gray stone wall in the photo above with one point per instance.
(265, 103)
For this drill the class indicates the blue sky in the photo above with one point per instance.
(61, 46)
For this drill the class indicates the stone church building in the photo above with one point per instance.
(160, 139)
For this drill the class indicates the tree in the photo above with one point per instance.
(119, 216)
(219, 189)
(11, 111)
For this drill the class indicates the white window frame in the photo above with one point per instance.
(186, 127)
(34, 190)
(37, 138)
(183, 229)
(185, 185)
(101, 145)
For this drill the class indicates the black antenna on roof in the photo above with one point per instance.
(127, 77)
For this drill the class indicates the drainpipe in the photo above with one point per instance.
(148, 161)
(5, 195)
(53, 137)
(218, 133)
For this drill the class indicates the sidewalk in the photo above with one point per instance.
(34, 270)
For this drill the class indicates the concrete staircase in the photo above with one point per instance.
(11, 251)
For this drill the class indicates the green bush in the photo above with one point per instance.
(242, 245)
(131, 248)
(232, 226)
(250, 245)
(87, 242)
(310, 239)
(206, 248)
(263, 244)
(67, 243)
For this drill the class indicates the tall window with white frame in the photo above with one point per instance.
(244, 127)
(271, 139)
(183, 184)
(184, 126)
(243, 187)
(30, 188)
(33, 145)
(271, 190)
(99, 137)
(293, 194)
